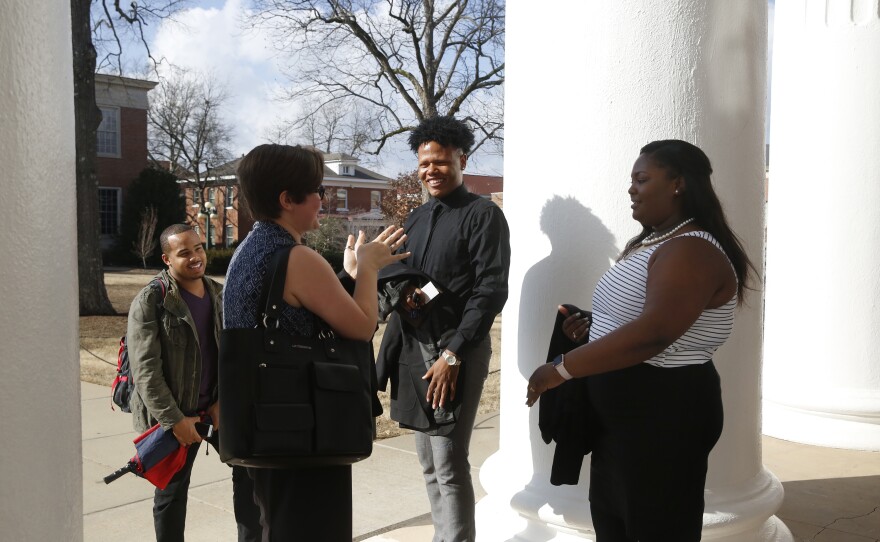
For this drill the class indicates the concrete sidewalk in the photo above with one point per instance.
(831, 495)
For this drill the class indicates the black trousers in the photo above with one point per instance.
(169, 504)
(655, 430)
(304, 505)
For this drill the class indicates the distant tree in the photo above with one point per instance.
(108, 25)
(159, 190)
(394, 62)
(328, 240)
(403, 195)
(187, 133)
(145, 243)
(329, 237)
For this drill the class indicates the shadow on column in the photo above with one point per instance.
(582, 249)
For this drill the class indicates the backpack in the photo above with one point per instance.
(122, 386)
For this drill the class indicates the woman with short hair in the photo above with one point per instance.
(282, 190)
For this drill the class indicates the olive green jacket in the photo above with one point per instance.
(164, 354)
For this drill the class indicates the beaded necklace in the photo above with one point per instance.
(654, 238)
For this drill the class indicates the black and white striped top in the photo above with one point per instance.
(620, 297)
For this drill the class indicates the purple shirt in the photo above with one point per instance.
(203, 316)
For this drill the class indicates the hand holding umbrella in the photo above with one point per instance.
(159, 454)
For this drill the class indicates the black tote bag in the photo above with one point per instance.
(293, 401)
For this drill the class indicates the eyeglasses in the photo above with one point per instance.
(321, 191)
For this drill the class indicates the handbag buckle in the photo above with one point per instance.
(266, 322)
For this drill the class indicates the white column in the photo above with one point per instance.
(40, 459)
(589, 83)
(822, 350)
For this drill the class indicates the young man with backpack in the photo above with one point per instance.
(172, 348)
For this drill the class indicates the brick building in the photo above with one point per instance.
(353, 195)
(122, 144)
(487, 186)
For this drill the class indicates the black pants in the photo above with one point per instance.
(655, 430)
(304, 505)
(169, 504)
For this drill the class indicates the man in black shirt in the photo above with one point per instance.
(436, 347)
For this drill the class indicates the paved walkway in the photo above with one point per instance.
(831, 495)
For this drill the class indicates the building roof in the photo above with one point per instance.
(360, 177)
(338, 157)
(115, 90)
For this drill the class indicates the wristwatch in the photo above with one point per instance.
(451, 359)
(559, 364)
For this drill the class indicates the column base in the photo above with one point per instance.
(539, 512)
(849, 430)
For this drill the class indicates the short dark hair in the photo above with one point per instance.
(683, 159)
(268, 170)
(447, 131)
(170, 231)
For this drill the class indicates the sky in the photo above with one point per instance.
(209, 38)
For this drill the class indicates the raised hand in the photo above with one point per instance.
(380, 251)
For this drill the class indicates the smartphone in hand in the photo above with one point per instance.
(205, 430)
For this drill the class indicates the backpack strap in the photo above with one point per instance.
(159, 284)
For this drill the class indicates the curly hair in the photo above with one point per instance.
(447, 131)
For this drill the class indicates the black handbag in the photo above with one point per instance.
(292, 401)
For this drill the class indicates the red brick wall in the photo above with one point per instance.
(358, 199)
(119, 172)
(484, 185)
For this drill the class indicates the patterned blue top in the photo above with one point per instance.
(244, 282)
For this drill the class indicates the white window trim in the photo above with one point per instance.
(118, 153)
(118, 207)
(338, 208)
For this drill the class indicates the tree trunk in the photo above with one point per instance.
(93, 297)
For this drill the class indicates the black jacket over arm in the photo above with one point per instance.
(565, 415)
(460, 243)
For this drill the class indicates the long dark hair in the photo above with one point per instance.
(681, 158)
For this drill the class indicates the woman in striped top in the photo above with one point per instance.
(658, 316)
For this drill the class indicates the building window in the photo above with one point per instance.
(108, 132)
(341, 199)
(197, 197)
(375, 200)
(108, 210)
(230, 196)
(230, 235)
(346, 170)
(211, 195)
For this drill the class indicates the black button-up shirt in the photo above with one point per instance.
(462, 241)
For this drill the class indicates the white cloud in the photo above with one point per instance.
(214, 40)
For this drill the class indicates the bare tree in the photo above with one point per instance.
(145, 244)
(403, 195)
(109, 25)
(186, 131)
(399, 61)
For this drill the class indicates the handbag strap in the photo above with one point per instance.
(272, 297)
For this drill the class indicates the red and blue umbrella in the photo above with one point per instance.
(158, 457)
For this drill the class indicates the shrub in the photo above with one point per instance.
(218, 260)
